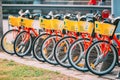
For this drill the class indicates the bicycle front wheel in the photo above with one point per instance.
(61, 51)
(23, 44)
(37, 46)
(7, 41)
(101, 57)
(47, 48)
(76, 54)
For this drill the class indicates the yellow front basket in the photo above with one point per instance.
(28, 23)
(104, 28)
(71, 25)
(57, 24)
(85, 27)
(45, 23)
(14, 21)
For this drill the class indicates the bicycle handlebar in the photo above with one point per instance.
(27, 14)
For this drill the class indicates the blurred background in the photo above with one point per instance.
(11, 7)
(57, 6)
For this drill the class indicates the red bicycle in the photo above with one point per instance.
(103, 55)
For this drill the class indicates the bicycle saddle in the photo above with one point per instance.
(106, 21)
(26, 15)
(71, 17)
(83, 18)
(74, 18)
(90, 18)
(58, 16)
(35, 15)
(67, 16)
(47, 17)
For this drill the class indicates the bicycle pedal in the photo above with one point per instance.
(76, 57)
(92, 65)
(80, 65)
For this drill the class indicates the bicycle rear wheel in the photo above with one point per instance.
(7, 41)
(101, 57)
(47, 48)
(22, 44)
(76, 54)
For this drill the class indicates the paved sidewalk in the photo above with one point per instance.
(69, 72)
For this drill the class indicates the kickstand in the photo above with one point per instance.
(32, 56)
(118, 75)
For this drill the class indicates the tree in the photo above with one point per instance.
(1, 26)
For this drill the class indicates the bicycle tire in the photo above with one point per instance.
(49, 56)
(110, 59)
(2, 42)
(62, 56)
(36, 49)
(76, 55)
(23, 45)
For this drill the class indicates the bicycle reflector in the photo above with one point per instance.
(105, 13)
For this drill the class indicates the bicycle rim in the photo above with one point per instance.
(7, 41)
(37, 46)
(47, 49)
(61, 51)
(77, 55)
(23, 44)
(97, 62)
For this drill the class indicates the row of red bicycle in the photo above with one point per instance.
(86, 42)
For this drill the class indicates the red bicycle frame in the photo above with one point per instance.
(28, 35)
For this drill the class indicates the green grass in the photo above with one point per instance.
(25, 71)
(10, 70)
(11, 63)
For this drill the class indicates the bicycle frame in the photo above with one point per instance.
(19, 29)
(106, 48)
(87, 44)
(28, 35)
